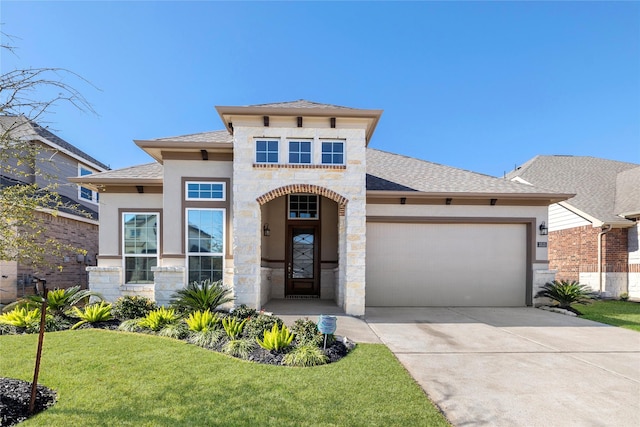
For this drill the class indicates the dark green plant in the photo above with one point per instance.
(276, 339)
(202, 320)
(206, 339)
(131, 325)
(93, 313)
(177, 330)
(307, 332)
(159, 318)
(233, 327)
(566, 292)
(258, 324)
(241, 348)
(133, 307)
(243, 312)
(305, 355)
(205, 295)
(624, 296)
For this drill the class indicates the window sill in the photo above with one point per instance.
(297, 166)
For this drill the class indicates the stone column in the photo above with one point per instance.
(107, 281)
(167, 281)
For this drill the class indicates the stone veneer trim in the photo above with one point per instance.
(305, 188)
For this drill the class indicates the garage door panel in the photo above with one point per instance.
(446, 264)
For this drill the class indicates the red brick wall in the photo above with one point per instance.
(575, 250)
(79, 234)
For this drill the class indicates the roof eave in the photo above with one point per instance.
(154, 148)
(550, 197)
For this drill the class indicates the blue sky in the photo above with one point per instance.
(481, 86)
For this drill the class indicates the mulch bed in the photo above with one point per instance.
(15, 396)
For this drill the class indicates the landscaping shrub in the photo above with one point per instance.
(21, 318)
(258, 324)
(159, 318)
(244, 312)
(92, 313)
(207, 339)
(59, 301)
(199, 321)
(133, 307)
(624, 296)
(177, 330)
(233, 327)
(307, 332)
(305, 355)
(564, 293)
(276, 339)
(205, 295)
(241, 348)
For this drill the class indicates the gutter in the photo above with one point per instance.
(600, 234)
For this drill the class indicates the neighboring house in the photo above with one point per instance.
(57, 159)
(288, 202)
(593, 237)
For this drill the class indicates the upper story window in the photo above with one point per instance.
(205, 191)
(333, 153)
(83, 192)
(266, 151)
(300, 152)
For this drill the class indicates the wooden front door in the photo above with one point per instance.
(302, 263)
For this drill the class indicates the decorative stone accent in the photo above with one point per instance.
(167, 281)
(305, 188)
(540, 278)
(106, 281)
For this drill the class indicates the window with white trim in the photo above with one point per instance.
(140, 246)
(300, 152)
(333, 153)
(205, 236)
(266, 151)
(207, 191)
(85, 193)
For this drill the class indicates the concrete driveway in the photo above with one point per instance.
(516, 366)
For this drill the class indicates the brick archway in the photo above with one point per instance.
(305, 188)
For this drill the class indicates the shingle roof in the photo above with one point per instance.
(395, 172)
(28, 127)
(592, 179)
(147, 171)
(301, 103)
(213, 136)
(628, 192)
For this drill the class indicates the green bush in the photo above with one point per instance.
(131, 325)
(243, 312)
(624, 296)
(159, 318)
(177, 330)
(21, 318)
(206, 339)
(566, 292)
(233, 327)
(307, 332)
(205, 295)
(305, 355)
(241, 348)
(92, 313)
(59, 301)
(258, 324)
(276, 339)
(202, 320)
(133, 307)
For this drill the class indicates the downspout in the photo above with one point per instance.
(600, 234)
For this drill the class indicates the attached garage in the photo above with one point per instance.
(424, 262)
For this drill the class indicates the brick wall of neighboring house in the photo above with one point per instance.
(80, 234)
(575, 250)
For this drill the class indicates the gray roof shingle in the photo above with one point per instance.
(628, 192)
(387, 170)
(213, 136)
(148, 172)
(301, 103)
(592, 179)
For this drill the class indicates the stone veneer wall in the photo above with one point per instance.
(257, 184)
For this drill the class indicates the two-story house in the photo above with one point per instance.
(56, 160)
(288, 201)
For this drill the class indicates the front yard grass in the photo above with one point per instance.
(106, 378)
(625, 314)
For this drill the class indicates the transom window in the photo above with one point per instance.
(205, 244)
(300, 152)
(140, 246)
(333, 153)
(303, 206)
(266, 151)
(83, 192)
(205, 190)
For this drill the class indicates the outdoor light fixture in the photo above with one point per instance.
(265, 230)
(543, 229)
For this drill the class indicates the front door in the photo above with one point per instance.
(302, 261)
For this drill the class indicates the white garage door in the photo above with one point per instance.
(446, 264)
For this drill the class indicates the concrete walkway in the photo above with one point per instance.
(503, 366)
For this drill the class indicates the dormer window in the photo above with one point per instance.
(267, 151)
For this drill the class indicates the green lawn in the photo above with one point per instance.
(625, 314)
(106, 378)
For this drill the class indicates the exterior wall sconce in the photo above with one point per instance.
(544, 230)
(266, 230)
(403, 200)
